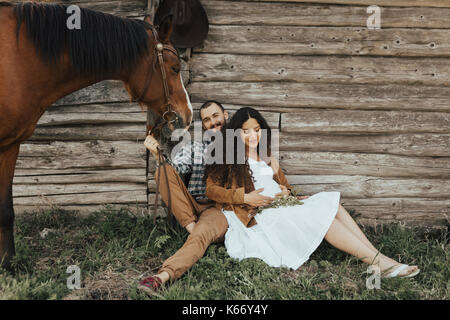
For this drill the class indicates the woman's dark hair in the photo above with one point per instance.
(225, 172)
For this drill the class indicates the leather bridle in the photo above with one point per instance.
(162, 120)
(159, 48)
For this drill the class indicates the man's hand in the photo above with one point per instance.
(152, 144)
(257, 200)
(284, 192)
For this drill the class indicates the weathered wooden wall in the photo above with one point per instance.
(364, 112)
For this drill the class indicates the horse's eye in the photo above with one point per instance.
(176, 69)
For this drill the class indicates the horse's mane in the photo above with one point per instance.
(104, 45)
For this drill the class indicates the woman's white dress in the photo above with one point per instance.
(283, 236)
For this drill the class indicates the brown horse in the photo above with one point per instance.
(42, 60)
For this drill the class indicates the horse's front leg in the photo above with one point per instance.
(8, 159)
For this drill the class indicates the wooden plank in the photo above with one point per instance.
(293, 40)
(308, 14)
(380, 165)
(66, 118)
(56, 148)
(91, 154)
(67, 162)
(93, 114)
(111, 197)
(320, 69)
(109, 131)
(102, 92)
(318, 95)
(358, 186)
(44, 176)
(387, 3)
(28, 190)
(408, 144)
(359, 121)
(233, 107)
(111, 121)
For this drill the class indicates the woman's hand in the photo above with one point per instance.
(257, 200)
(302, 197)
(152, 144)
(284, 192)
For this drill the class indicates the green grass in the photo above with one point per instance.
(114, 249)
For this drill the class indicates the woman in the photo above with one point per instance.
(286, 235)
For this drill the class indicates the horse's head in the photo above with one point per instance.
(157, 84)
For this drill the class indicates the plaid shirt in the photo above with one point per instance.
(190, 160)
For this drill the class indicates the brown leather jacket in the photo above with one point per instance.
(233, 198)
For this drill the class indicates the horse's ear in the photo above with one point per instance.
(165, 28)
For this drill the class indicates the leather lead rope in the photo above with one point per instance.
(161, 162)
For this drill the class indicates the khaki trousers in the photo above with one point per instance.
(211, 224)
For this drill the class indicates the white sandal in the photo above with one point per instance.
(399, 269)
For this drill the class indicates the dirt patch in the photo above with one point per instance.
(106, 285)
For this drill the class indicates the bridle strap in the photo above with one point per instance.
(159, 47)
